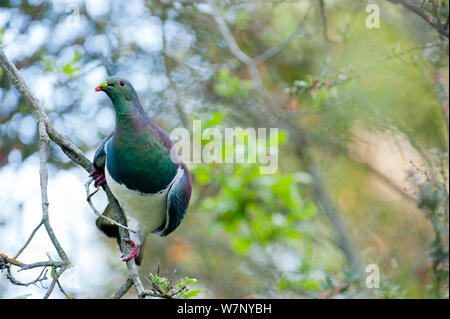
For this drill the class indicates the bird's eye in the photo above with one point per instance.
(122, 83)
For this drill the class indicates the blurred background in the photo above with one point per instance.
(362, 112)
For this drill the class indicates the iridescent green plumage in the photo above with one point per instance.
(135, 161)
(138, 154)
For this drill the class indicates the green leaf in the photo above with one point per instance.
(192, 293)
(69, 69)
(76, 57)
(189, 281)
(242, 245)
(202, 174)
(53, 272)
(2, 32)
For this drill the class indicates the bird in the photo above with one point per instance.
(143, 170)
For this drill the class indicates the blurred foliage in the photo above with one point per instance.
(373, 104)
(166, 288)
(227, 85)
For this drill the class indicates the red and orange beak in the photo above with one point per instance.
(101, 87)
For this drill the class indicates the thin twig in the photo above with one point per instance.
(63, 291)
(100, 215)
(323, 16)
(159, 290)
(29, 239)
(54, 281)
(123, 289)
(46, 133)
(432, 20)
(302, 142)
(40, 278)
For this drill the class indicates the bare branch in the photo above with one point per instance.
(302, 142)
(124, 233)
(229, 39)
(100, 215)
(63, 291)
(54, 281)
(123, 289)
(432, 19)
(7, 260)
(42, 120)
(46, 133)
(29, 239)
(270, 53)
(40, 278)
(323, 16)
(159, 290)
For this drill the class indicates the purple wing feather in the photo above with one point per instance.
(177, 202)
(100, 154)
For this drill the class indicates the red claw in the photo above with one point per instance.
(96, 171)
(100, 179)
(134, 252)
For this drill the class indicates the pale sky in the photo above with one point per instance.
(70, 215)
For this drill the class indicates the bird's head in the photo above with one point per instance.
(117, 89)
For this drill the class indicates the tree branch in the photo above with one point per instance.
(48, 133)
(302, 142)
(323, 17)
(123, 289)
(433, 19)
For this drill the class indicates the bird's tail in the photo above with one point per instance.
(112, 231)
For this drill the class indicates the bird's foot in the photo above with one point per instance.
(134, 252)
(100, 179)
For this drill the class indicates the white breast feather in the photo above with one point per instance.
(149, 210)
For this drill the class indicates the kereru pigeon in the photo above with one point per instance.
(143, 170)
